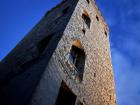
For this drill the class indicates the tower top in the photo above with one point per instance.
(92, 2)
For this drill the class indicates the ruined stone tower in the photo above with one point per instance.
(64, 60)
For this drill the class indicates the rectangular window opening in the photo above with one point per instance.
(44, 43)
(65, 96)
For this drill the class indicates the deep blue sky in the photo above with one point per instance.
(17, 17)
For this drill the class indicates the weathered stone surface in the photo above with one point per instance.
(97, 90)
(36, 79)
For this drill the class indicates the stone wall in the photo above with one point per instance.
(26, 64)
(97, 86)
(36, 79)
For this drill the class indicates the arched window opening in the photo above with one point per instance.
(43, 44)
(77, 56)
(80, 103)
(97, 18)
(94, 74)
(65, 10)
(65, 95)
(110, 97)
(33, 53)
(88, 1)
(86, 18)
(106, 33)
(61, 14)
(83, 30)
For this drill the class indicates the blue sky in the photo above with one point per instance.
(17, 17)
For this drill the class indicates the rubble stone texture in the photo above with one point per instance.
(37, 72)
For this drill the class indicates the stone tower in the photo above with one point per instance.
(64, 60)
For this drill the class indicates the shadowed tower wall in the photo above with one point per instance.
(64, 60)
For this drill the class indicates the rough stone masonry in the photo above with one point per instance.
(64, 60)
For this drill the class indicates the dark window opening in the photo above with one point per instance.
(65, 10)
(56, 22)
(86, 19)
(83, 30)
(78, 59)
(34, 53)
(65, 96)
(43, 44)
(94, 74)
(97, 18)
(110, 97)
(74, 54)
(79, 103)
(88, 1)
(106, 33)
